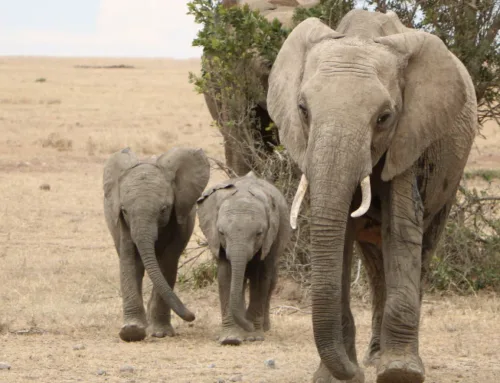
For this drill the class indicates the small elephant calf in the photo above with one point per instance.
(246, 223)
(150, 213)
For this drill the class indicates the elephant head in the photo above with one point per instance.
(344, 102)
(240, 219)
(142, 198)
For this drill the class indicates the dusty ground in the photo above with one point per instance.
(59, 291)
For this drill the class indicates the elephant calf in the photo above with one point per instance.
(245, 221)
(150, 212)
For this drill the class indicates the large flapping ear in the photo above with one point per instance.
(285, 80)
(189, 170)
(208, 212)
(115, 166)
(435, 92)
(273, 216)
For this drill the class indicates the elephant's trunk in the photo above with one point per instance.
(239, 260)
(145, 244)
(331, 192)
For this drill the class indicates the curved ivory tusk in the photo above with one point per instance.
(366, 198)
(297, 201)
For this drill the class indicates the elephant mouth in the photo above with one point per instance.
(366, 196)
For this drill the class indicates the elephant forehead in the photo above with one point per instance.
(238, 207)
(352, 54)
(144, 179)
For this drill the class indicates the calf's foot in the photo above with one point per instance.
(231, 336)
(322, 375)
(256, 336)
(162, 330)
(132, 332)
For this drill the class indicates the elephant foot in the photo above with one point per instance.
(256, 336)
(322, 375)
(231, 336)
(162, 330)
(400, 369)
(132, 333)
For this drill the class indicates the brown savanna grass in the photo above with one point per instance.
(60, 305)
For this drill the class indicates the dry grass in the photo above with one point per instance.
(59, 275)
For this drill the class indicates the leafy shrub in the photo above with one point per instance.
(468, 257)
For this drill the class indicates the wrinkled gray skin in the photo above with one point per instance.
(376, 99)
(150, 212)
(246, 223)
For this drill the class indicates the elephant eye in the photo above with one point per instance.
(383, 118)
(221, 233)
(259, 233)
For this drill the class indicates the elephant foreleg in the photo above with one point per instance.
(266, 326)
(231, 334)
(159, 312)
(131, 275)
(263, 278)
(402, 233)
(431, 239)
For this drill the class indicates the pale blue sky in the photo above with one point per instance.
(150, 28)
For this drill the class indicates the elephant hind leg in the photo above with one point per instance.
(266, 326)
(371, 255)
(431, 239)
(259, 275)
(159, 312)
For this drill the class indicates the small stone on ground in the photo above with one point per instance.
(4, 366)
(78, 347)
(126, 368)
(270, 363)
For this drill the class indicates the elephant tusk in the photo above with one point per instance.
(366, 198)
(297, 201)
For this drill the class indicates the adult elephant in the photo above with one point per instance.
(383, 116)
(237, 153)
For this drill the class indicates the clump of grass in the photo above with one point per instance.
(54, 140)
(486, 174)
(204, 274)
(41, 79)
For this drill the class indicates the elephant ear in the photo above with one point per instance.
(273, 215)
(434, 94)
(189, 170)
(208, 212)
(285, 80)
(115, 166)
